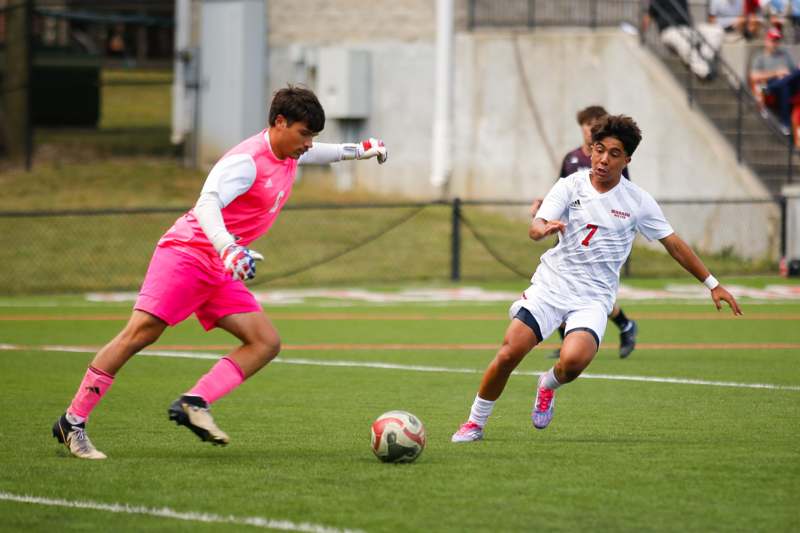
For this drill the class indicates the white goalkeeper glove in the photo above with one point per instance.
(366, 150)
(240, 262)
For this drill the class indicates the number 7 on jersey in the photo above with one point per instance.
(592, 230)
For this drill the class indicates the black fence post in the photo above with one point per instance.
(455, 242)
(783, 205)
(29, 67)
(17, 81)
(593, 15)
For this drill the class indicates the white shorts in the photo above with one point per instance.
(548, 314)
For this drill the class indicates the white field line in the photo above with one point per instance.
(419, 368)
(166, 512)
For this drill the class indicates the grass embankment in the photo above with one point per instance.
(128, 162)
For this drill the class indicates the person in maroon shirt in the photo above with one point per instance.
(580, 159)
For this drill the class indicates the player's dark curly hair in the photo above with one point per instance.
(620, 127)
(297, 104)
(590, 114)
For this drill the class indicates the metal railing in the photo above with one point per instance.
(775, 139)
(538, 13)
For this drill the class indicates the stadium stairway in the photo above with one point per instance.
(764, 148)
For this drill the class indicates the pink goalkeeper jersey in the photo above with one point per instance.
(249, 215)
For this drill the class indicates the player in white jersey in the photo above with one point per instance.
(580, 159)
(597, 215)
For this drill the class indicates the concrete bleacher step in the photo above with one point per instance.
(751, 123)
(755, 135)
(760, 155)
(774, 184)
(753, 151)
(716, 109)
(764, 149)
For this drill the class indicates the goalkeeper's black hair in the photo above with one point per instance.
(620, 127)
(297, 104)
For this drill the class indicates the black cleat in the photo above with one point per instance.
(627, 339)
(193, 412)
(74, 437)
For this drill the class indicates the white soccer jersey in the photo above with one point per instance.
(598, 237)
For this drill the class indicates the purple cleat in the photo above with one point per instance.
(543, 405)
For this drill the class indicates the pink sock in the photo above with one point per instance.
(219, 381)
(94, 385)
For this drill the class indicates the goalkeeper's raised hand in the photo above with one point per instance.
(240, 262)
(372, 148)
(365, 150)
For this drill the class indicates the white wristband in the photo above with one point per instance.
(711, 282)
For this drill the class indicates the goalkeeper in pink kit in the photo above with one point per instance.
(201, 262)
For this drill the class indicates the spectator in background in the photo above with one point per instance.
(728, 15)
(782, 13)
(752, 16)
(696, 46)
(116, 42)
(774, 79)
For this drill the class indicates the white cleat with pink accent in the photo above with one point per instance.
(468, 432)
(543, 405)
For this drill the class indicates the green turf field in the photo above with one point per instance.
(620, 455)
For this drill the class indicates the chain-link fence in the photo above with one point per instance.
(75, 251)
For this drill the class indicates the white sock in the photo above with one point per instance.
(550, 380)
(481, 409)
(75, 419)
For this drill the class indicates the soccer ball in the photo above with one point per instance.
(397, 437)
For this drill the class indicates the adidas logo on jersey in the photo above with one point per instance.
(268, 184)
(575, 204)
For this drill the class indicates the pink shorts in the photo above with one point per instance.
(178, 284)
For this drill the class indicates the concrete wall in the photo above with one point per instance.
(513, 125)
(499, 133)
